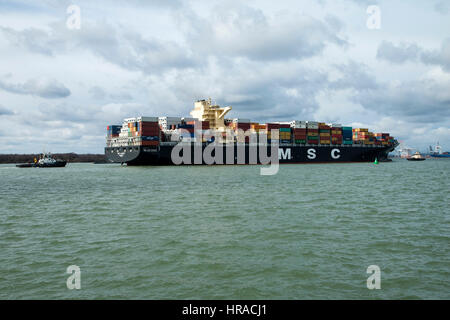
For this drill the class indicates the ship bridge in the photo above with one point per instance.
(205, 111)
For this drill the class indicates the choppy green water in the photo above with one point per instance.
(219, 232)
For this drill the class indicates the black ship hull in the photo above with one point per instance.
(287, 153)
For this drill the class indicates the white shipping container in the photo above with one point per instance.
(170, 119)
(148, 119)
(298, 124)
(239, 120)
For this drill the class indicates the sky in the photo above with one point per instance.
(66, 73)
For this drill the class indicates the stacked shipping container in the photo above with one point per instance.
(336, 134)
(347, 135)
(299, 132)
(285, 133)
(312, 132)
(324, 133)
(149, 131)
(363, 136)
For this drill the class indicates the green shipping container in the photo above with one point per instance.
(324, 131)
(313, 138)
(300, 141)
(347, 142)
(285, 129)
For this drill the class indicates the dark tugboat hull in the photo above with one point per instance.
(57, 164)
(25, 165)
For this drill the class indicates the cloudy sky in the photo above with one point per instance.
(270, 60)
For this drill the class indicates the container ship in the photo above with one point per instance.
(166, 140)
(438, 153)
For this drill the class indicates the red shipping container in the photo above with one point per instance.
(148, 133)
(272, 126)
(148, 124)
(204, 125)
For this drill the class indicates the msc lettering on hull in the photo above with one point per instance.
(311, 154)
(284, 154)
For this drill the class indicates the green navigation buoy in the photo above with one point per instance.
(376, 161)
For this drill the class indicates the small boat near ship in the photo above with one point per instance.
(45, 161)
(416, 157)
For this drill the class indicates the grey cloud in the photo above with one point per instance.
(438, 57)
(116, 45)
(121, 96)
(235, 31)
(32, 39)
(416, 101)
(354, 75)
(443, 7)
(45, 5)
(97, 93)
(403, 52)
(44, 88)
(5, 112)
(260, 91)
(243, 31)
(400, 53)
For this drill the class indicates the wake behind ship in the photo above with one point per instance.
(164, 140)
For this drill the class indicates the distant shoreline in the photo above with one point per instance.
(70, 157)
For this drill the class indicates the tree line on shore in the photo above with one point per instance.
(70, 157)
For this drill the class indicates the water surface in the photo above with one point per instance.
(226, 232)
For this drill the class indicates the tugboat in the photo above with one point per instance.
(45, 161)
(416, 157)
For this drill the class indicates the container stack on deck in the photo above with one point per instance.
(324, 133)
(113, 131)
(285, 133)
(241, 124)
(336, 133)
(169, 123)
(312, 132)
(150, 131)
(269, 128)
(347, 133)
(299, 131)
(363, 136)
(383, 139)
(186, 132)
